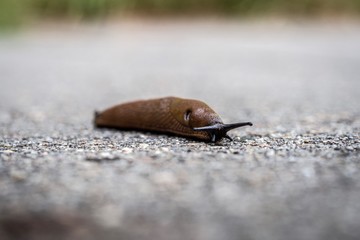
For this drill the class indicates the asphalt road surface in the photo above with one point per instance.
(294, 175)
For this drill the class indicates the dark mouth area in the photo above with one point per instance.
(216, 135)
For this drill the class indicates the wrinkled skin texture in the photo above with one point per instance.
(166, 115)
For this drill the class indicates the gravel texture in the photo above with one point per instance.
(294, 175)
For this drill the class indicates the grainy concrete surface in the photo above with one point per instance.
(294, 175)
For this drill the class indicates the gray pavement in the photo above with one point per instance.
(294, 175)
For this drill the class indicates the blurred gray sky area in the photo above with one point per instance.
(276, 63)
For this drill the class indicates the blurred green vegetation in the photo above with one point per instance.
(15, 12)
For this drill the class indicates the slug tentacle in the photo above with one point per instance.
(228, 137)
(184, 117)
(219, 130)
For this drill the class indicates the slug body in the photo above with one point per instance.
(183, 117)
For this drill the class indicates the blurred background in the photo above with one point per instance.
(275, 48)
(17, 12)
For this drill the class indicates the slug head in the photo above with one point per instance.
(193, 113)
(199, 117)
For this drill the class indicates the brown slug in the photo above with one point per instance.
(183, 117)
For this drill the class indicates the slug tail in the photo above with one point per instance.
(96, 113)
(96, 116)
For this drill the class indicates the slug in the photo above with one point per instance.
(183, 117)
